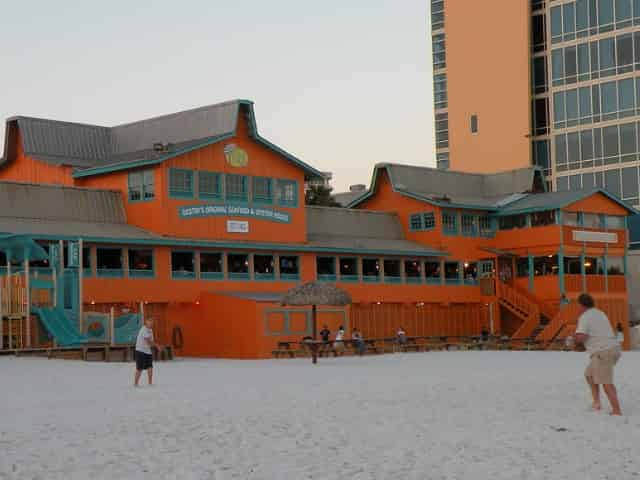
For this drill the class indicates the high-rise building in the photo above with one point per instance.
(554, 83)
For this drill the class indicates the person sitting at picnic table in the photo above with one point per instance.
(484, 334)
(401, 336)
(338, 345)
(358, 341)
(325, 333)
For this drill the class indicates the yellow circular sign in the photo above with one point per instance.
(236, 157)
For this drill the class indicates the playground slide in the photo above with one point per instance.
(127, 327)
(57, 324)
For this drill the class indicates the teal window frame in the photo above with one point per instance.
(110, 272)
(239, 276)
(181, 193)
(353, 277)
(410, 279)
(327, 277)
(212, 178)
(178, 275)
(415, 222)
(371, 278)
(265, 277)
(452, 281)
(432, 280)
(469, 230)
(149, 273)
(289, 277)
(235, 197)
(262, 198)
(282, 186)
(490, 230)
(420, 222)
(449, 228)
(87, 272)
(392, 278)
(142, 182)
(211, 275)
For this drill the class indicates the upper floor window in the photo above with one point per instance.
(262, 191)
(236, 187)
(209, 186)
(513, 221)
(437, 14)
(422, 221)
(469, 225)
(141, 186)
(180, 183)
(485, 225)
(288, 193)
(474, 123)
(449, 223)
(614, 222)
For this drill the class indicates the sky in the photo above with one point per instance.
(341, 85)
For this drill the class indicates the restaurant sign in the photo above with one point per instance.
(199, 211)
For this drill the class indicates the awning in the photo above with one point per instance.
(17, 248)
(500, 253)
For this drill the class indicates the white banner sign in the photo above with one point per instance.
(599, 237)
(236, 226)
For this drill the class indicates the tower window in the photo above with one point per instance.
(474, 124)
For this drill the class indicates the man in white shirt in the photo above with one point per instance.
(143, 353)
(595, 333)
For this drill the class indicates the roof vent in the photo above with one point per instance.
(162, 147)
(443, 198)
(357, 188)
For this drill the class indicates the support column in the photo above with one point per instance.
(561, 271)
(604, 263)
(27, 297)
(583, 272)
(531, 272)
(112, 326)
(80, 287)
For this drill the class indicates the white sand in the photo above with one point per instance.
(449, 415)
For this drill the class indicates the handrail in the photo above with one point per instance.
(566, 315)
(547, 310)
(519, 301)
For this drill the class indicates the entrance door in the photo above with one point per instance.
(505, 269)
(486, 268)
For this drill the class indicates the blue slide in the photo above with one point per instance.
(59, 326)
(127, 328)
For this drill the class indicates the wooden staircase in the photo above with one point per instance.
(561, 326)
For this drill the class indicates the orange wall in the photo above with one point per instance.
(597, 203)
(29, 170)
(487, 48)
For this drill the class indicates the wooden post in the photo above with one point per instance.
(80, 289)
(112, 325)
(2, 290)
(141, 313)
(27, 297)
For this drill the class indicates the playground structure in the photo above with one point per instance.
(37, 315)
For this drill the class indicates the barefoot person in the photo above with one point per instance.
(595, 333)
(143, 354)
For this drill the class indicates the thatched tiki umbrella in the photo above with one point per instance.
(314, 294)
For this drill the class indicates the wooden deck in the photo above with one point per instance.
(95, 353)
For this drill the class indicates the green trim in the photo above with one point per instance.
(261, 199)
(217, 178)
(236, 198)
(142, 186)
(181, 194)
(264, 277)
(422, 217)
(414, 280)
(88, 172)
(445, 229)
(212, 275)
(110, 273)
(141, 273)
(392, 279)
(282, 183)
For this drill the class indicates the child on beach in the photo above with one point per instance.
(143, 354)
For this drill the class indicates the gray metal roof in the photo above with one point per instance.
(345, 198)
(461, 187)
(87, 147)
(360, 230)
(55, 210)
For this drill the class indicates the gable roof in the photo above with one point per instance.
(552, 200)
(93, 149)
(451, 188)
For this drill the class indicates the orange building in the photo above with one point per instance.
(201, 222)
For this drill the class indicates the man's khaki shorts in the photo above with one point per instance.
(600, 369)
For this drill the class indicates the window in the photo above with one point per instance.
(612, 182)
(289, 268)
(546, 265)
(449, 224)
(87, 268)
(474, 124)
(469, 228)
(522, 267)
(432, 271)
(452, 273)
(236, 188)
(412, 271)
(211, 266)
(569, 21)
(262, 190)
(593, 266)
(392, 271)
(615, 266)
(582, 17)
(238, 266)
(263, 267)
(628, 146)
(180, 183)
(510, 222)
(288, 193)
(556, 24)
(540, 74)
(183, 265)
(326, 269)
(440, 90)
(485, 224)
(607, 51)
(109, 262)
(439, 53)
(610, 144)
(140, 263)
(591, 220)
(415, 222)
(538, 33)
(442, 130)
(571, 219)
(209, 186)
(572, 265)
(422, 221)
(614, 222)
(429, 220)
(623, 13)
(348, 269)
(442, 160)
(540, 219)
(470, 273)
(141, 186)
(437, 14)
(624, 53)
(370, 269)
(605, 12)
(540, 116)
(541, 155)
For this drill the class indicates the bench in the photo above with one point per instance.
(284, 348)
(410, 345)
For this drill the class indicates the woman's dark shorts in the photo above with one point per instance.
(144, 361)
